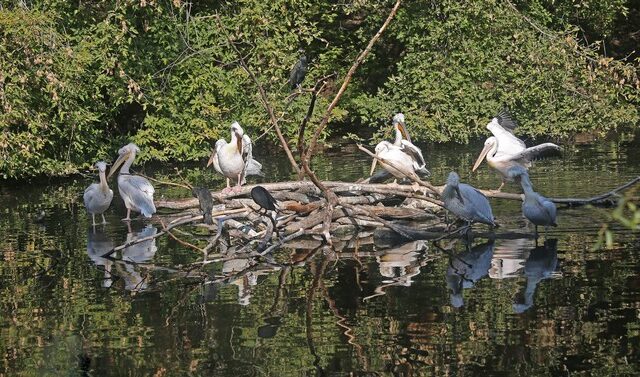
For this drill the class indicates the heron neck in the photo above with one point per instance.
(127, 164)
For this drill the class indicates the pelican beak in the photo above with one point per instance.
(459, 195)
(122, 158)
(403, 131)
(213, 155)
(373, 165)
(483, 154)
(239, 142)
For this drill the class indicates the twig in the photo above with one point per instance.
(282, 241)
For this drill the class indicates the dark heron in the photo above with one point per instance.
(466, 202)
(535, 207)
(97, 197)
(298, 72)
(504, 150)
(206, 202)
(263, 198)
(136, 191)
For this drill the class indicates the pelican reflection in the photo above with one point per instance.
(129, 268)
(99, 244)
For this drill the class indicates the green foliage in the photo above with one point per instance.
(79, 79)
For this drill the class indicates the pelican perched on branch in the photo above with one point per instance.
(504, 150)
(394, 160)
(403, 141)
(97, 197)
(136, 191)
(235, 159)
(466, 202)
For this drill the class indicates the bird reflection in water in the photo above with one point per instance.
(467, 268)
(541, 264)
(99, 244)
(399, 265)
(129, 268)
(508, 258)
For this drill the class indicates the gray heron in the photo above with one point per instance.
(466, 202)
(97, 197)
(235, 159)
(136, 191)
(535, 207)
(504, 150)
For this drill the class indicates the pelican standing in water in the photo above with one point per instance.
(466, 202)
(136, 191)
(97, 197)
(535, 207)
(504, 150)
(235, 159)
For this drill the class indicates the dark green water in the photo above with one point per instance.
(498, 308)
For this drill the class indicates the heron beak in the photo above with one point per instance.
(213, 155)
(459, 195)
(121, 159)
(403, 131)
(373, 165)
(483, 154)
(239, 142)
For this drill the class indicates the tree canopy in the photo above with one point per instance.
(77, 79)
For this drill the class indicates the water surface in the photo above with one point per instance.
(494, 307)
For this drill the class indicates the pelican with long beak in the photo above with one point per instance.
(97, 197)
(505, 151)
(394, 160)
(235, 159)
(136, 191)
(403, 141)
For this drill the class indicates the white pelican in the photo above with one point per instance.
(235, 159)
(403, 164)
(403, 141)
(98, 196)
(136, 191)
(504, 150)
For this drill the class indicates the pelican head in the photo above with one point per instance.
(453, 180)
(382, 146)
(237, 132)
(400, 126)
(490, 145)
(125, 153)
(101, 166)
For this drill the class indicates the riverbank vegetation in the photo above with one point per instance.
(78, 79)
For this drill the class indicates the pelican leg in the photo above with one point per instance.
(93, 216)
(228, 183)
(535, 232)
(104, 221)
(128, 218)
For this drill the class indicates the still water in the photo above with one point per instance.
(502, 307)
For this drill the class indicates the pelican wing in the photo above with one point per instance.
(251, 166)
(414, 152)
(506, 121)
(96, 200)
(214, 155)
(539, 151)
(139, 192)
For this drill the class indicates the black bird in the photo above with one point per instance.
(298, 72)
(206, 202)
(263, 198)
